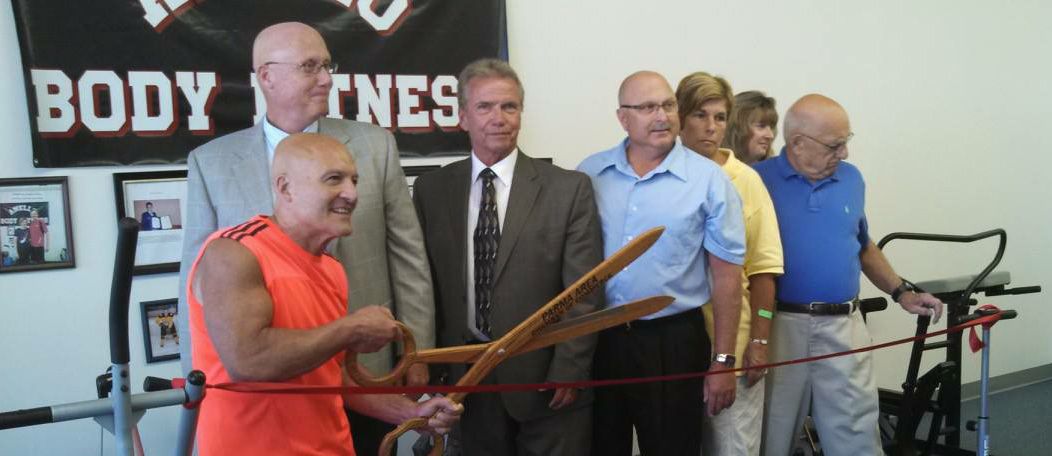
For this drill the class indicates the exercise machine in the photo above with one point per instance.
(117, 409)
(937, 393)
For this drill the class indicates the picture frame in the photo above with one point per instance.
(157, 199)
(36, 230)
(159, 334)
(412, 172)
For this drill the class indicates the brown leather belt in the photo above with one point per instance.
(819, 308)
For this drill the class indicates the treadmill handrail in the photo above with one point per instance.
(120, 289)
(999, 232)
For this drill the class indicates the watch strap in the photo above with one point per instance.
(903, 287)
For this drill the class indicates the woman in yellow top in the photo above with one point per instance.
(705, 104)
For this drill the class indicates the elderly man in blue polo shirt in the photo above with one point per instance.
(649, 180)
(820, 203)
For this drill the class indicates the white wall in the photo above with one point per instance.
(948, 100)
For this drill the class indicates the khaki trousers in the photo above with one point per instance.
(840, 393)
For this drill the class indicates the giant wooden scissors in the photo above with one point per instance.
(511, 343)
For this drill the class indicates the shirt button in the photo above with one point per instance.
(634, 208)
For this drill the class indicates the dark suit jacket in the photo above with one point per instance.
(551, 236)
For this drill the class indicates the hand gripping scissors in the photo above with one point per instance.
(526, 336)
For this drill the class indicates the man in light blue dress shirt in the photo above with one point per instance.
(650, 180)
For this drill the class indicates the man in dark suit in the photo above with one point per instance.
(505, 233)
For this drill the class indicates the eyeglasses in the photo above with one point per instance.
(668, 106)
(310, 67)
(832, 148)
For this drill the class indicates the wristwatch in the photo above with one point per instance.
(903, 287)
(725, 359)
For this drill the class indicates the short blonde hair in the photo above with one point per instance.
(698, 88)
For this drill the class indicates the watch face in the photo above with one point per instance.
(725, 359)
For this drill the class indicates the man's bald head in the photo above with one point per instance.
(292, 66)
(811, 114)
(647, 112)
(314, 182)
(305, 149)
(273, 42)
(634, 80)
(817, 131)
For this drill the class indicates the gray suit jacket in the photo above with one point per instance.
(550, 237)
(229, 182)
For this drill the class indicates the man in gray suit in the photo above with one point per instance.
(505, 234)
(228, 182)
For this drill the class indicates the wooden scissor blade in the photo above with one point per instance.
(557, 332)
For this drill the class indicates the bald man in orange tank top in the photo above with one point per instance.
(268, 304)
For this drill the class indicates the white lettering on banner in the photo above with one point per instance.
(341, 86)
(62, 107)
(91, 87)
(160, 13)
(374, 102)
(199, 89)
(444, 92)
(410, 117)
(145, 86)
(56, 116)
(261, 103)
(392, 18)
(147, 104)
(376, 105)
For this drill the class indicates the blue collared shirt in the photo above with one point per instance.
(692, 198)
(823, 227)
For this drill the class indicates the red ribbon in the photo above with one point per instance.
(974, 342)
(286, 388)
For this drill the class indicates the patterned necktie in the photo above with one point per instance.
(486, 237)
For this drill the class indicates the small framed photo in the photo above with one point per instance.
(158, 330)
(415, 167)
(158, 201)
(412, 172)
(36, 231)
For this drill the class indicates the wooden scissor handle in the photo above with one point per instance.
(416, 423)
(363, 378)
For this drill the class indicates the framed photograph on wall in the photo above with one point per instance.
(157, 200)
(411, 173)
(158, 329)
(36, 231)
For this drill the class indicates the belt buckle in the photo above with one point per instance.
(811, 307)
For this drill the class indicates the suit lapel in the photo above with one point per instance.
(252, 167)
(524, 189)
(459, 189)
(327, 127)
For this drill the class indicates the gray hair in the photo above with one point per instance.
(485, 68)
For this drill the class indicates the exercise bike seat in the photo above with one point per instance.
(958, 284)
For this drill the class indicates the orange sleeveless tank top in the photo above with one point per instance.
(307, 291)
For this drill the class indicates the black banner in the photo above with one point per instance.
(133, 82)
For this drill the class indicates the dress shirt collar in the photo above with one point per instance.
(675, 162)
(274, 135)
(504, 169)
